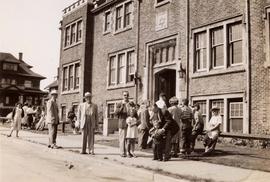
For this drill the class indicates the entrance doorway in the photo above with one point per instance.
(165, 81)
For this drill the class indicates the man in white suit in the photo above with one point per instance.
(52, 119)
(88, 120)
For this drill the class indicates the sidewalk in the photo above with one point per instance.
(180, 168)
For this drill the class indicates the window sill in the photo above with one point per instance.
(107, 32)
(215, 72)
(73, 45)
(162, 3)
(119, 86)
(123, 30)
(70, 92)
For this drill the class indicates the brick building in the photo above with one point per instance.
(214, 52)
(18, 83)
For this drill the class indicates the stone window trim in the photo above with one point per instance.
(161, 3)
(228, 67)
(107, 23)
(267, 36)
(123, 27)
(67, 38)
(116, 84)
(227, 98)
(74, 88)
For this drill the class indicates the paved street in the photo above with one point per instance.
(38, 156)
(24, 161)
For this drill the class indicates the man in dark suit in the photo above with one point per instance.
(122, 110)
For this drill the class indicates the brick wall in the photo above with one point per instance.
(260, 75)
(81, 52)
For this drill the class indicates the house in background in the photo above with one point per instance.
(18, 83)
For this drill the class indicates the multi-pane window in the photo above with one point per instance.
(77, 76)
(119, 16)
(121, 67)
(111, 110)
(28, 83)
(225, 41)
(63, 113)
(71, 77)
(130, 66)
(127, 14)
(73, 33)
(79, 31)
(10, 66)
(112, 79)
(65, 78)
(217, 47)
(164, 52)
(107, 21)
(236, 117)
(220, 105)
(67, 36)
(123, 16)
(235, 43)
(200, 51)
(202, 105)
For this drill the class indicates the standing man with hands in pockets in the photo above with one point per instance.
(88, 121)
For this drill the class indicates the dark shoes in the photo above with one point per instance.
(123, 155)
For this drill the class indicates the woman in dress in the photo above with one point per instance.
(17, 115)
(132, 132)
(42, 121)
(213, 131)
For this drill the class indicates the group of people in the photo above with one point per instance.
(167, 127)
(28, 117)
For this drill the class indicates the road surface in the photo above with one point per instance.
(23, 161)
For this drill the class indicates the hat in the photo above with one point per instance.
(215, 108)
(173, 100)
(87, 94)
(54, 92)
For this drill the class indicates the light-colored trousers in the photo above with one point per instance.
(122, 141)
(52, 133)
(88, 137)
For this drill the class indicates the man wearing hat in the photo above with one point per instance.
(88, 121)
(213, 131)
(52, 119)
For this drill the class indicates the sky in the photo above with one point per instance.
(32, 27)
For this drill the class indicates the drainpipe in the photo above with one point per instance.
(248, 53)
(187, 49)
(137, 77)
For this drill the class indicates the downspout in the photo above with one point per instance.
(248, 85)
(187, 49)
(137, 77)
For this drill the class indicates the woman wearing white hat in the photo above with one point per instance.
(213, 131)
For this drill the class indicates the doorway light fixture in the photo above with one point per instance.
(181, 71)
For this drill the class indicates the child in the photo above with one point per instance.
(17, 115)
(132, 133)
(158, 141)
